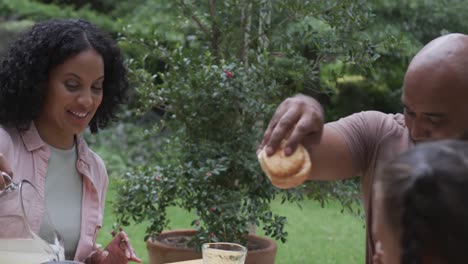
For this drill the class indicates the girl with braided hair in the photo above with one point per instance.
(421, 202)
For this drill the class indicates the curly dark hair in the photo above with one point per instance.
(425, 197)
(26, 65)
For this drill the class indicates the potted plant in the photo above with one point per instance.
(207, 163)
(215, 107)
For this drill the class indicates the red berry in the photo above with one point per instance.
(228, 74)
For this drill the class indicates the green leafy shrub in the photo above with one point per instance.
(216, 88)
(37, 11)
(208, 164)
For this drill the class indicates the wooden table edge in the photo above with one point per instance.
(195, 261)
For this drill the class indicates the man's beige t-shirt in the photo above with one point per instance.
(373, 139)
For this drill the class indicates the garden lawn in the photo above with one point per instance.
(316, 235)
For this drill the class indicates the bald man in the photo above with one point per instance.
(435, 96)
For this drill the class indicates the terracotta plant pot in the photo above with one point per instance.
(160, 253)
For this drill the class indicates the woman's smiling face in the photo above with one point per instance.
(74, 93)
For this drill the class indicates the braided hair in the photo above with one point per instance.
(425, 197)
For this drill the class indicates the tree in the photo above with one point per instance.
(217, 87)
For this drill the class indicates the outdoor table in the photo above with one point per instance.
(195, 261)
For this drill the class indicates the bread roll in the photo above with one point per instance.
(286, 172)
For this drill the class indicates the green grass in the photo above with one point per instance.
(316, 235)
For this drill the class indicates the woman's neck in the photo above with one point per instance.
(56, 139)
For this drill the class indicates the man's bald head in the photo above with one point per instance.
(436, 89)
(450, 50)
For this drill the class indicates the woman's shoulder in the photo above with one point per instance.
(8, 137)
(96, 169)
(93, 159)
(86, 153)
(6, 131)
(97, 159)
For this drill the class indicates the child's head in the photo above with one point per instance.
(421, 205)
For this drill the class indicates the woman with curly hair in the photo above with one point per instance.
(57, 79)
(421, 205)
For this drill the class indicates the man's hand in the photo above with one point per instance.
(119, 251)
(298, 119)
